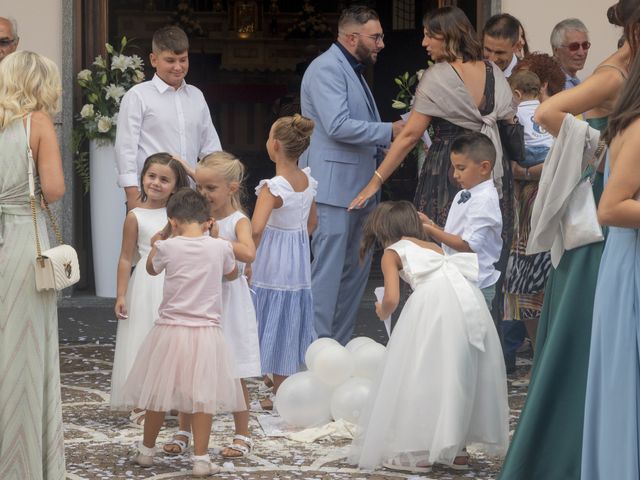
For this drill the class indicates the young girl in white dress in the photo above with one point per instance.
(184, 362)
(219, 178)
(443, 384)
(284, 217)
(139, 294)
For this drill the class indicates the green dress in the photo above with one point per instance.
(547, 443)
(31, 436)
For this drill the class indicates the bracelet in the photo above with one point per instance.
(377, 174)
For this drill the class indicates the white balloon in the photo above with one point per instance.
(357, 342)
(303, 401)
(333, 365)
(368, 359)
(350, 398)
(315, 348)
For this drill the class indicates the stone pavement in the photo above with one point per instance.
(98, 441)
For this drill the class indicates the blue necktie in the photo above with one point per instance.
(464, 196)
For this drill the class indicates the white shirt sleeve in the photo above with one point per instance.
(209, 140)
(127, 139)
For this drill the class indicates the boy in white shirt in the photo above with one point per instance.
(525, 86)
(474, 222)
(164, 114)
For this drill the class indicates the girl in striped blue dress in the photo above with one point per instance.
(284, 217)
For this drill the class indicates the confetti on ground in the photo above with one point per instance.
(99, 441)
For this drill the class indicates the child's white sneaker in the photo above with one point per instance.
(143, 456)
(203, 466)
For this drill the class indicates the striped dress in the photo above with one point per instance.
(282, 279)
(31, 437)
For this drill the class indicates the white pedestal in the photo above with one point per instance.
(107, 216)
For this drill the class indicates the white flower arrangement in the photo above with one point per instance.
(103, 85)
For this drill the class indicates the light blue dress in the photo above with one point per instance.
(611, 421)
(282, 279)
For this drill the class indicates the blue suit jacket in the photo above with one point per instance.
(348, 131)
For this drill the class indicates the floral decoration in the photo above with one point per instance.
(103, 85)
(184, 17)
(309, 24)
(404, 101)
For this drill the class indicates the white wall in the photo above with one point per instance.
(39, 25)
(540, 16)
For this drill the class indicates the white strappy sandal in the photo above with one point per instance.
(181, 444)
(242, 448)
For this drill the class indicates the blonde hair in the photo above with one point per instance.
(29, 83)
(231, 169)
(294, 134)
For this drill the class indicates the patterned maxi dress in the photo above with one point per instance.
(31, 437)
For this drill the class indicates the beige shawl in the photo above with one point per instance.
(442, 93)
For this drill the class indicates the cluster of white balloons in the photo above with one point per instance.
(337, 384)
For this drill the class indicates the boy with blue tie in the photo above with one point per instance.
(474, 222)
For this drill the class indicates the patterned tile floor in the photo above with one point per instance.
(98, 441)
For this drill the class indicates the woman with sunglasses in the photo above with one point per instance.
(548, 442)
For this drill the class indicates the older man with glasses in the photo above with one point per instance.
(8, 36)
(570, 45)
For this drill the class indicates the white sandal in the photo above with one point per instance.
(408, 462)
(143, 456)
(460, 467)
(136, 419)
(239, 447)
(181, 444)
(203, 466)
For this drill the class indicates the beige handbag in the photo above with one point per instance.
(56, 268)
(579, 224)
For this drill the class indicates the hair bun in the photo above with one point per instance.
(302, 125)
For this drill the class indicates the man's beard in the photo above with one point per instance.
(364, 55)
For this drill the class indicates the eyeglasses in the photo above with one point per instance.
(378, 37)
(5, 42)
(575, 46)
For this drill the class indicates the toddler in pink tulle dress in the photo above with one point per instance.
(184, 363)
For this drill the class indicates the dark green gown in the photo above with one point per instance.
(547, 444)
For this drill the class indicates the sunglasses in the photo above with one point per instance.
(5, 42)
(575, 46)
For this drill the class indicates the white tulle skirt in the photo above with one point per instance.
(188, 369)
(436, 393)
(143, 299)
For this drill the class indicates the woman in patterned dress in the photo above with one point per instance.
(31, 436)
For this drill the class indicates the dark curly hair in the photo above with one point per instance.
(546, 68)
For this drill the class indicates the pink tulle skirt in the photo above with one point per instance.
(188, 369)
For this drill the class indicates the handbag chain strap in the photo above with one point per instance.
(32, 199)
(598, 155)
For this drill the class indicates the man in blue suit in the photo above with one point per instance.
(345, 147)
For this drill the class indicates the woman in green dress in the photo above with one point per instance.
(547, 443)
(31, 436)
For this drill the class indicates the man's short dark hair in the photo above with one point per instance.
(356, 14)
(503, 25)
(171, 39)
(188, 206)
(476, 146)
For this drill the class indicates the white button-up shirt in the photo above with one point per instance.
(478, 221)
(154, 117)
